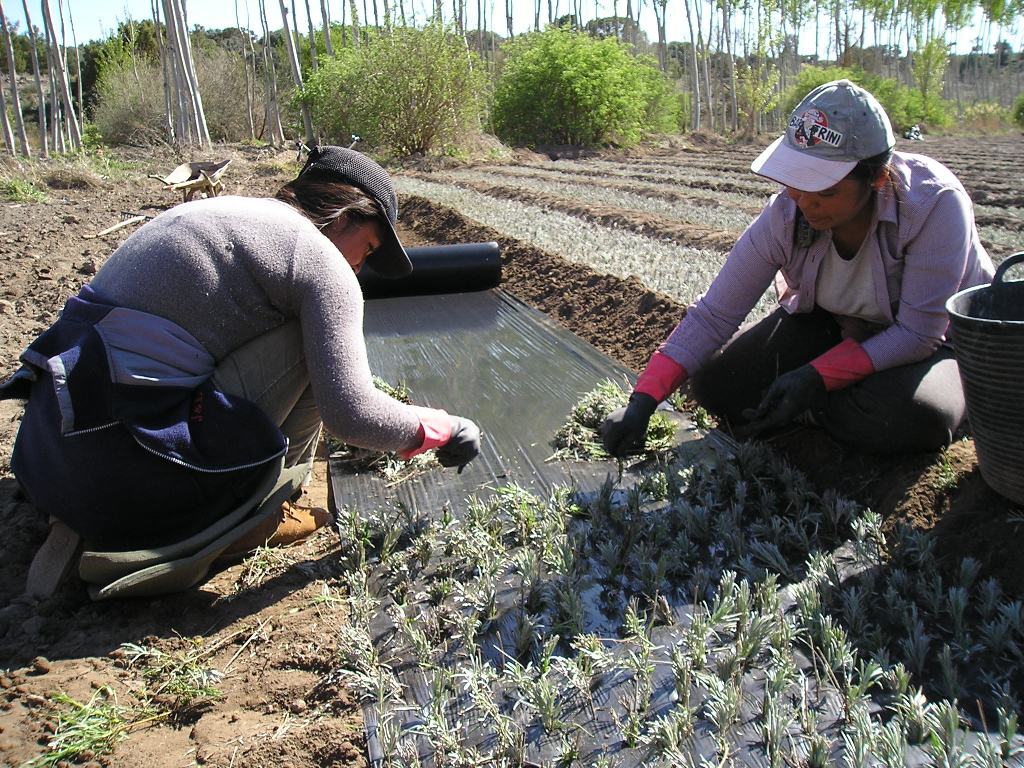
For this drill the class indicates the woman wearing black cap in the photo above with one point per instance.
(214, 343)
(864, 245)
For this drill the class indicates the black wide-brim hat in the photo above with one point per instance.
(352, 167)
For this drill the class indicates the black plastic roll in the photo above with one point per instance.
(460, 268)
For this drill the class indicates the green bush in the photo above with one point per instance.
(904, 106)
(565, 87)
(412, 91)
(1018, 111)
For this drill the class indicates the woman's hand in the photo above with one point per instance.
(789, 395)
(462, 447)
(625, 429)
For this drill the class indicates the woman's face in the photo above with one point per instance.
(356, 241)
(833, 207)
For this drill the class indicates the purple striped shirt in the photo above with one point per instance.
(923, 245)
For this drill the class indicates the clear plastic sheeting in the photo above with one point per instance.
(490, 358)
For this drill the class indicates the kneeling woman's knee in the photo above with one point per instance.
(865, 424)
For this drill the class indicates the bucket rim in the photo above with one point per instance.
(986, 320)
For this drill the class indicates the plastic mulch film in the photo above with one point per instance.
(490, 358)
(538, 613)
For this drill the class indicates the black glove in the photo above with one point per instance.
(625, 429)
(463, 445)
(789, 395)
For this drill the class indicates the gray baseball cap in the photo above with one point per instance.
(355, 168)
(837, 125)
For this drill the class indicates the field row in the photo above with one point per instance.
(680, 272)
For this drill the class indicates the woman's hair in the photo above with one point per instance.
(323, 199)
(872, 171)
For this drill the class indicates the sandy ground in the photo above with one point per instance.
(271, 630)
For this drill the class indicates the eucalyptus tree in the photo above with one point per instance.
(272, 114)
(44, 141)
(246, 37)
(293, 58)
(185, 83)
(59, 75)
(694, 69)
(5, 125)
(165, 65)
(312, 38)
(19, 122)
(325, 14)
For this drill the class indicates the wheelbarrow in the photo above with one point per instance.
(192, 178)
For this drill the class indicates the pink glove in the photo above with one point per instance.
(843, 365)
(661, 377)
(435, 430)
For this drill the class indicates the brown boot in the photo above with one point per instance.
(297, 524)
(292, 525)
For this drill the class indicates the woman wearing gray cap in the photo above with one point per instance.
(864, 245)
(202, 361)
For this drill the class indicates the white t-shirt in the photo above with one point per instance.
(846, 286)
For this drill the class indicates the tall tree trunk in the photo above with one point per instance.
(242, 37)
(355, 23)
(727, 34)
(694, 69)
(60, 72)
(293, 57)
(182, 107)
(508, 18)
(56, 113)
(78, 59)
(312, 39)
(19, 120)
(154, 8)
(174, 13)
(326, 16)
(5, 125)
(44, 139)
(273, 111)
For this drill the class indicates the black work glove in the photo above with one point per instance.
(789, 395)
(625, 429)
(462, 447)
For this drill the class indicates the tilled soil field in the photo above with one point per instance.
(269, 629)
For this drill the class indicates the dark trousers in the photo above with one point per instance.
(906, 409)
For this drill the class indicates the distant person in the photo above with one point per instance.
(864, 245)
(216, 341)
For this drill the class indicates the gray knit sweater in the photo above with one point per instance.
(229, 269)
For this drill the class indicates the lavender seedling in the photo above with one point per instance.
(541, 694)
(722, 707)
(947, 740)
(950, 677)
(868, 675)
(916, 713)
(593, 658)
(859, 739)
(527, 635)
(891, 745)
(897, 679)
(956, 607)
(818, 752)
(1009, 748)
(570, 615)
(667, 735)
(989, 594)
(915, 647)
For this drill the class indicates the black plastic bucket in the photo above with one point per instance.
(987, 324)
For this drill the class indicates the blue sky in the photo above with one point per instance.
(96, 19)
